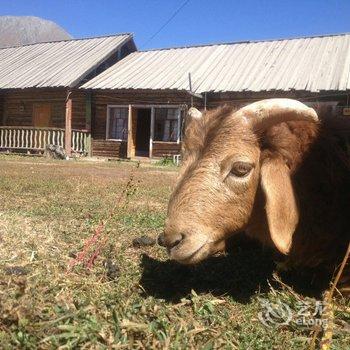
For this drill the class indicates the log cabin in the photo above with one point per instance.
(139, 103)
(40, 102)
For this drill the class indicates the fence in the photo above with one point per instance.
(36, 139)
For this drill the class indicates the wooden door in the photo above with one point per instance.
(41, 115)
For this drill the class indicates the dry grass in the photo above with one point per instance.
(48, 209)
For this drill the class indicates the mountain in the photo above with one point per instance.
(21, 30)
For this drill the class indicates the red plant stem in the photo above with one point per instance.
(82, 257)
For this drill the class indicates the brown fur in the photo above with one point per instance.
(311, 192)
(320, 173)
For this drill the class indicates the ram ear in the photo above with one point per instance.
(193, 133)
(280, 203)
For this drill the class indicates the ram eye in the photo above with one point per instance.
(241, 169)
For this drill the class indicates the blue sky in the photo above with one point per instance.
(199, 21)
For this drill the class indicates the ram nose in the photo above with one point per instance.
(170, 242)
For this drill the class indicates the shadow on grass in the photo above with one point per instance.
(311, 282)
(243, 272)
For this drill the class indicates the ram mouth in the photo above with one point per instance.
(191, 257)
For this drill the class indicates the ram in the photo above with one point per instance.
(271, 169)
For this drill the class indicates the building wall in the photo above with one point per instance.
(80, 119)
(162, 149)
(1, 109)
(322, 104)
(18, 107)
(109, 149)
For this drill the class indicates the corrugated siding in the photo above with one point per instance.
(55, 64)
(309, 64)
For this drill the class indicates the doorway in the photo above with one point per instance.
(143, 126)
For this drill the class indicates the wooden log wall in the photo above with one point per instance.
(244, 98)
(163, 149)
(18, 107)
(79, 120)
(1, 110)
(109, 149)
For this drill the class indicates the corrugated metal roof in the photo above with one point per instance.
(55, 64)
(310, 64)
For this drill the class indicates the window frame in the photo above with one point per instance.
(108, 121)
(178, 119)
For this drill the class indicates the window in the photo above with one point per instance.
(118, 123)
(166, 124)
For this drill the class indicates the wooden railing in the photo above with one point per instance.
(81, 141)
(36, 139)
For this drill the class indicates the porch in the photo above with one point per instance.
(35, 139)
(33, 119)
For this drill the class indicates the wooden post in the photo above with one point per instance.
(179, 112)
(130, 140)
(68, 128)
(88, 145)
(151, 133)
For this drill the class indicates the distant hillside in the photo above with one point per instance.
(15, 31)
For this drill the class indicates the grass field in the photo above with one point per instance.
(132, 298)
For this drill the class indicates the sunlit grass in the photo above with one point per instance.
(49, 208)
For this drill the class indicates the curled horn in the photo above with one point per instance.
(265, 113)
(194, 133)
(194, 113)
